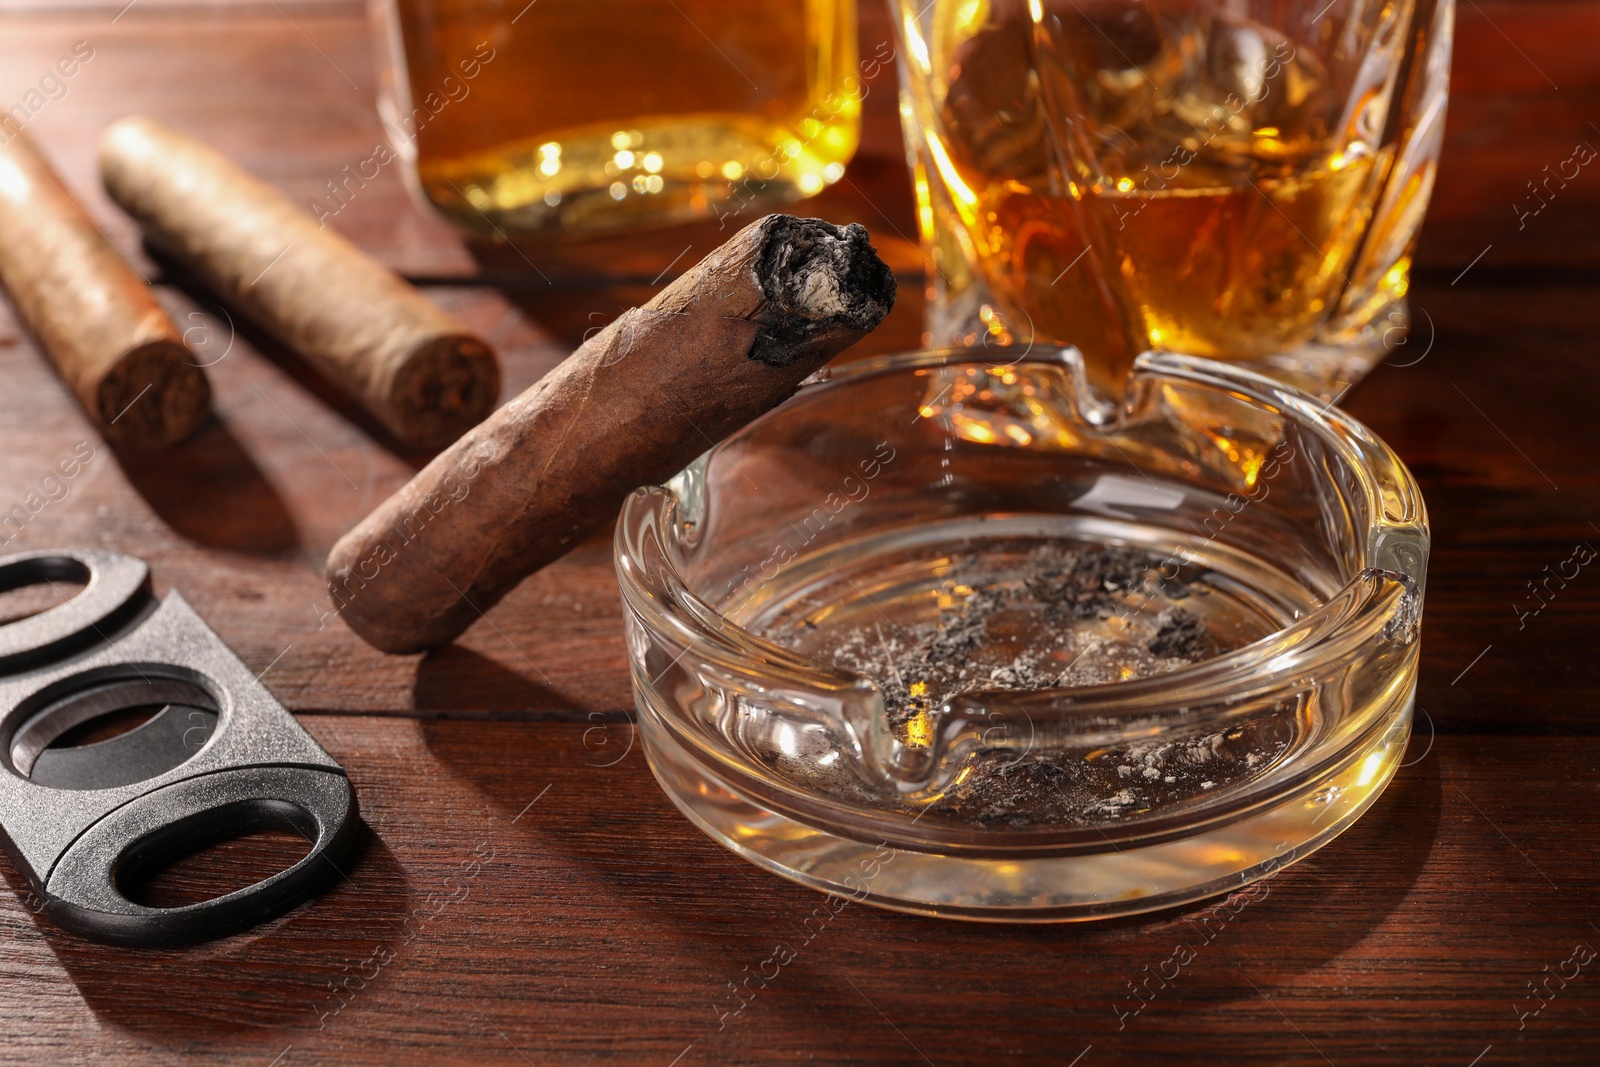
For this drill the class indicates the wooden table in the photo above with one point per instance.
(605, 926)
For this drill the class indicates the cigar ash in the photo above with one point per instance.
(815, 276)
(1028, 616)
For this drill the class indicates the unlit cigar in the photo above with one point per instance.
(416, 369)
(92, 313)
(641, 399)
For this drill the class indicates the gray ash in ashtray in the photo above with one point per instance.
(1036, 617)
(1063, 617)
(1181, 635)
(1084, 584)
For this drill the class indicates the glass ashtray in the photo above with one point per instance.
(958, 637)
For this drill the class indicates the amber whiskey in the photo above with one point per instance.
(586, 115)
(1132, 176)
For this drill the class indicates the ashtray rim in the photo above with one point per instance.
(1330, 635)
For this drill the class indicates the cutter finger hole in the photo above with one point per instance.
(35, 586)
(237, 857)
(95, 594)
(109, 732)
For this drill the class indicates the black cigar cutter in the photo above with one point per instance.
(219, 759)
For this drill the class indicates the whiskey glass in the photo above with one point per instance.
(1236, 179)
(1054, 764)
(576, 117)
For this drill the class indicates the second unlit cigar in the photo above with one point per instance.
(93, 314)
(719, 346)
(415, 368)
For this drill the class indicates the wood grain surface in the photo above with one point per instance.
(523, 892)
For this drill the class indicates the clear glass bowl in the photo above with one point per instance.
(960, 638)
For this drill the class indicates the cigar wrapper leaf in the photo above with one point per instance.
(92, 313)
(417, 370)
(663, 383)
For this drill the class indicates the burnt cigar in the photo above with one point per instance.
(422, 374)
(635, 404)
(92, 313)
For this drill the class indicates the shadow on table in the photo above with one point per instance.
(307, 376)
(453, 679)
(572, 289)
(279, 975)
(616, 828)
(210, 490)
